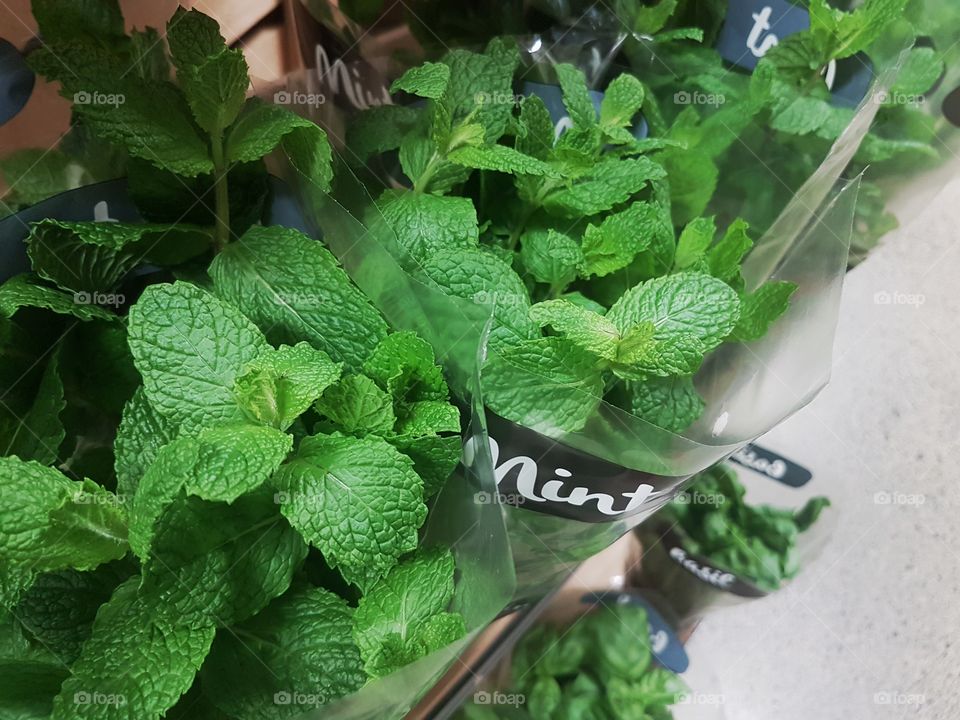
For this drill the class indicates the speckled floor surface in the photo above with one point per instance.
(871, 629)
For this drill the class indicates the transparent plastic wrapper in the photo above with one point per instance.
(570, 612)
(687, 584)
(617, 469)
(474, 532)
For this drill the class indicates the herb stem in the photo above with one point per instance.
(421, 183)
(221, 231)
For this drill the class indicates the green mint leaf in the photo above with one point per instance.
(59, 608)
(142, 432)
(87, 529)
(670, 403)
(609, 183)
(545, 698)
(641, 354)
(92, 257)
(190, 347)
(392, 614)
(403, 364)
(357, 406)
(692, 245)
(810, 512)
(280, 385)
(921, 70)
(193, 37)
(536, 134)
(214, 79)
(586, 329)
(479, 84)
(691, 304)
(613, 244)
(850, 33)
(550, 257)
(434, 458)
(380, 129)
(477, 275)
(93, 18)
(261, 128)
(576, 97)
(221, 463)
(428, 417)
(22, 291)
(693, 179)
(300, 644)
(293, 288)
(546, 384)
(500, 158)
(363, 481)
(221, 564)
(429, 80)
(621, 102)
(146, 657)
(38, 433)
(760, 309)
(725, 257)
(425, 224)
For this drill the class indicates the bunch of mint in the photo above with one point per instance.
(747, 142)
(599, 668)
(755, 542)
(603, 287)
(216, 457)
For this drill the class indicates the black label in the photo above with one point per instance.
(752, 28)
(702, 569)
(951, 107)
(16, 81)
(774, 466)
(665, 646)
(538, 473)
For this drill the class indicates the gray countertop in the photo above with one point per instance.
(869, 630)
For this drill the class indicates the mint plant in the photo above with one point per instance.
(217, 457)
(755, 542)
(572, 239)
(600, 667)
